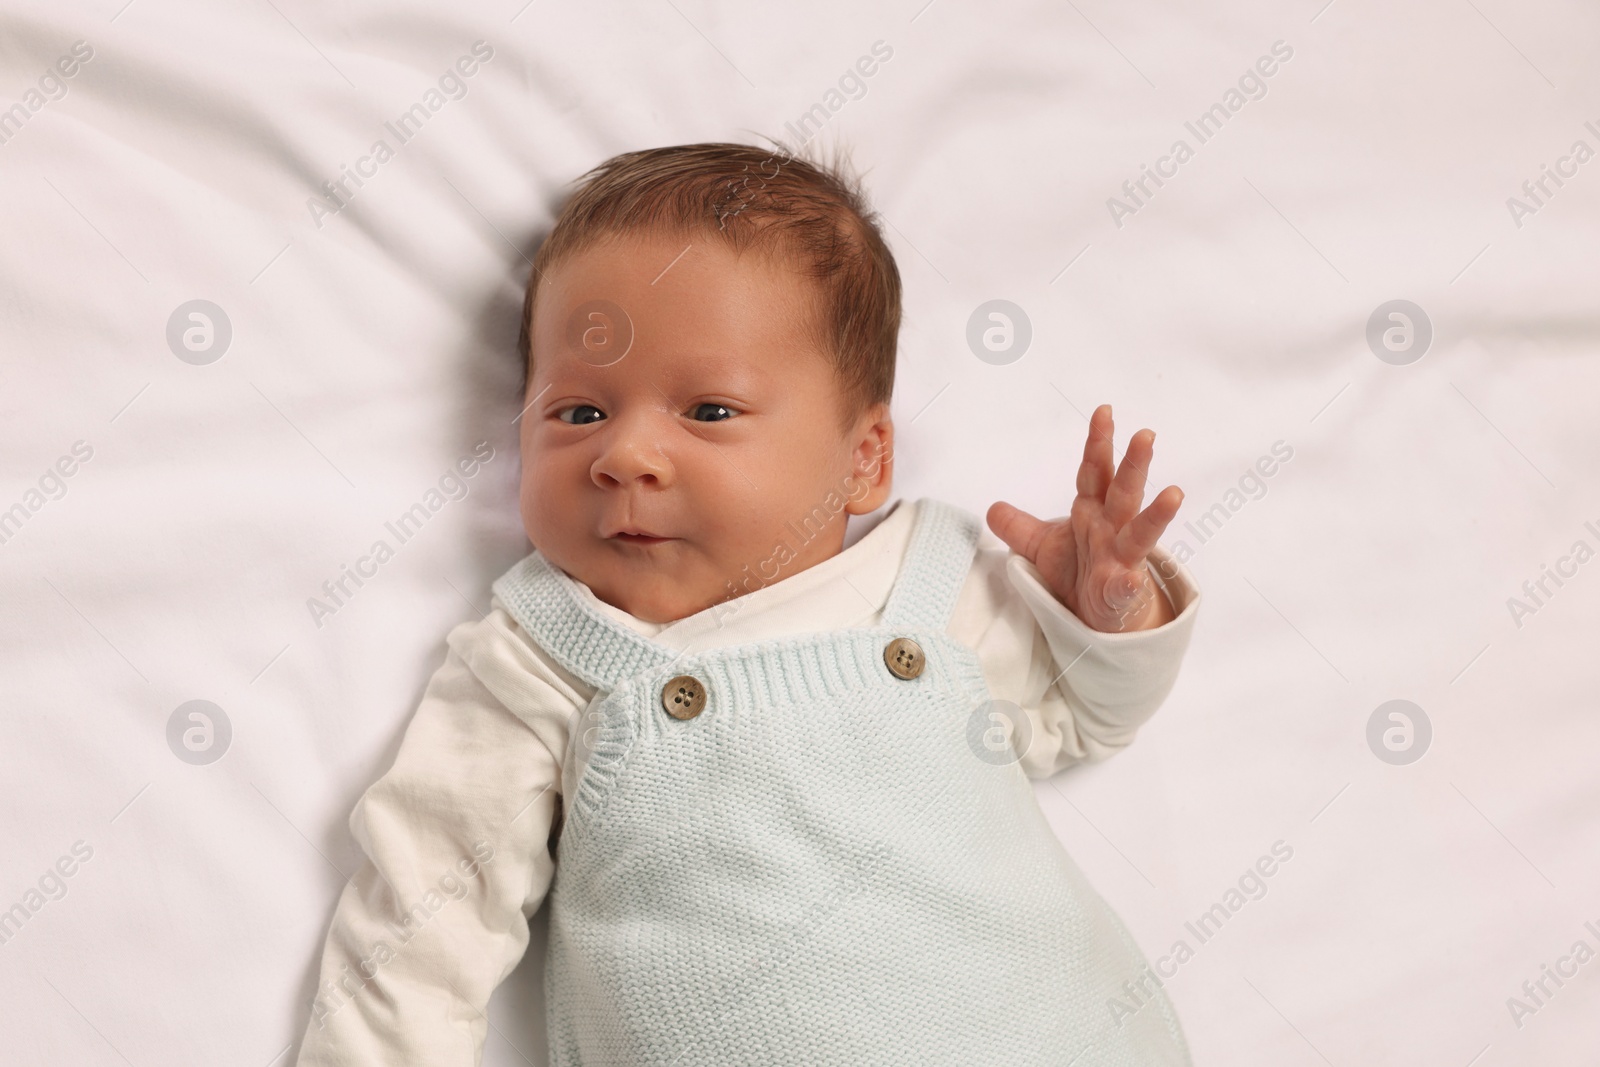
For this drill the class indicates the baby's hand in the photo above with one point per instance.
(1094, 561)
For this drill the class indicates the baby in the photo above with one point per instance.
(776, 788)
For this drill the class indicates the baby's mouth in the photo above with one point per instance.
(641, 539)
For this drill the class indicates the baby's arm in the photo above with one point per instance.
(1084, 693)
(1090, 691)
(1088, 637)
(455, 836)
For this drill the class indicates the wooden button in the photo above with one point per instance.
(904, 657)
(684, 697)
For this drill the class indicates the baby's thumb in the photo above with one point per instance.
(1020, 531)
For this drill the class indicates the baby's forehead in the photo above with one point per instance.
(689, 281)
(740, 348)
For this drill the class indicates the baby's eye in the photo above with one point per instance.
(725, 412)
(577, 421)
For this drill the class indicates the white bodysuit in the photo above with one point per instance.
(456, 832)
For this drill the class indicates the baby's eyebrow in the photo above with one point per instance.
(733, 376)
(691, 369)
(678, 361)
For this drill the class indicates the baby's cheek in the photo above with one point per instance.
(541, 503)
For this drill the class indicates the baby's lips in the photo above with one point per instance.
(643, 540)
(634, 531)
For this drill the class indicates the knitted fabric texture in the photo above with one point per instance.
(824, 866)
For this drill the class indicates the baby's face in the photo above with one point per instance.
(717, 433)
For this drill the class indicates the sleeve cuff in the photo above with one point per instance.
(1118, 679)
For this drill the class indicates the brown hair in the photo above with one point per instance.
(814, 214)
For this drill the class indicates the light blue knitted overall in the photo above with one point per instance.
(818, 869)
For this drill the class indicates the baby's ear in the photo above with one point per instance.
(872, 458)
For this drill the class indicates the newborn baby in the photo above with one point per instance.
(776, 788)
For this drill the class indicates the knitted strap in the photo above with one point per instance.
(545, 602)
(934, 569)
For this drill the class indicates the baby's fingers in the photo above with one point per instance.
(1137, 538)
(1127, 488)
(1094, 474)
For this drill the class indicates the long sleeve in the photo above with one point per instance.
(455, 836)
(1109, 683)
(1085, 693)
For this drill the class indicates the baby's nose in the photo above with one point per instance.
(631, 453)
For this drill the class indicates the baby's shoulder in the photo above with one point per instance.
(508, 660)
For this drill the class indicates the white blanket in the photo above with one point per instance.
(181, 479)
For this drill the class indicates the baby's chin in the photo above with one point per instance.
(666, 603)
(656, 584)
